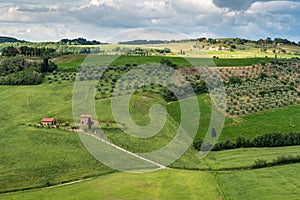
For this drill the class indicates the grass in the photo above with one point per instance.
(166, 184)
(139, 108)
(232, 159)
(122, 60)
(32, 157)
(279, 120)
(244, 158)
(70, 63)
(270, 183)
(35, 157)
(226, 62)
(38, 157)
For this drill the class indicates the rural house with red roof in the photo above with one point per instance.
(48, 121)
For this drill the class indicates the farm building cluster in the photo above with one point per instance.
(85, 120)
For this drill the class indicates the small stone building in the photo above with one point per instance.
(84, 119)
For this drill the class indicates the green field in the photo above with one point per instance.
(227, 62)
(48, 151)
(70, 63)
(271, 121)
(35, 157)
(271, 183)
(232, 159)
(38, 157)
(166, 184)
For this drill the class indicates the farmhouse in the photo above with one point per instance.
(48, 121)
(84, 120)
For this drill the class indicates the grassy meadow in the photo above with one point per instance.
(270, 183)
(39, 157)
(70, 63)
(232, 159)
(36, 157)
(165, 184)
(284, 120)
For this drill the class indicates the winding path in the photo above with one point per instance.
(95, 135)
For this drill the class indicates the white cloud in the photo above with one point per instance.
(274, 6)
(96, 19)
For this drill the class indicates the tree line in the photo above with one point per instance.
(267, 140)
(11, 51)
(240, 41)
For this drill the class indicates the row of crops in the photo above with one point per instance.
(254, 88)
(114, 80)
(287, 71)
(60, 77)
(259, 95)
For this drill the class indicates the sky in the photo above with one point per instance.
(120, 20)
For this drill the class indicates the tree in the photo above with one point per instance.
(10, 51)
(235, 79)
(263, 75)
(197, 143)
(48, 66)
(90, 123)
(213, 133)
(12, 65)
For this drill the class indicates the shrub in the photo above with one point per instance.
(242, 142)
(224, 145)
(26, 77)
(286, 160)
(259, 163)
(197, 143)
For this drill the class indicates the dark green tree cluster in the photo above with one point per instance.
(17, 71)
(267, 140)
(276, 140)
(27, 51)
(167, 62)
(12, 65)
(80, 41)
(199, 87)
(26, 77)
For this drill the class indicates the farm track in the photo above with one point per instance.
(125, 151)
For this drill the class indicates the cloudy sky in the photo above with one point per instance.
(52, 20)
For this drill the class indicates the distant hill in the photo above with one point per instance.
(139, 42)
(4, 39)
(80, 41)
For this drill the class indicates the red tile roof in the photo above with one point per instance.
(48, 119)
(86, 116)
